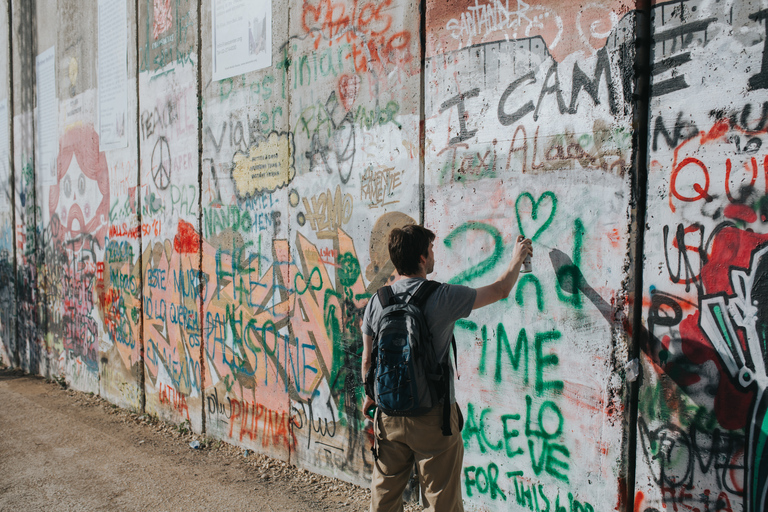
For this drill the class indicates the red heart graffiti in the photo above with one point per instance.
(349, 86)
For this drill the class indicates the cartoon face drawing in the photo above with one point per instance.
(81, 197)
(77, 195)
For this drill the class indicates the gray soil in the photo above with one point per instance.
(65, 450)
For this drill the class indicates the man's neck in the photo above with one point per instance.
(420, 275)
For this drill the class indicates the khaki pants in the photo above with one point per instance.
(403, 440)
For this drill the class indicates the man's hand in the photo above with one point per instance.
(503, 285)
(523, 248)
(367, 405)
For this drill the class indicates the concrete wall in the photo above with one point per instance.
(169, 278)
(701, 420)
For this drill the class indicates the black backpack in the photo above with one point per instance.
(405, 377)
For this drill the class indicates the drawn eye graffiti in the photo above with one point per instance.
(66, 186)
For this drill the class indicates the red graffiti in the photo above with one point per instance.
(639, 497)
(693, 180)
(731, 247)
(349, 87)
(123, 231)
(366, 26)
(275, 426)
(186, 241)
(169, 396)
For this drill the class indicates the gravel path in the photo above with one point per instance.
(65, 450)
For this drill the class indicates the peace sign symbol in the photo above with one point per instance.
(161, 163)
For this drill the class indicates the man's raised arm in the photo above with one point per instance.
(501, 288)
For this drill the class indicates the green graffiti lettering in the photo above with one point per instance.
(535, 211)
(487, 264)
(510, 434)
(554, 464)
(502, 343)
(542, 361)
(569, 277)
(524, 280)
(349, 269)
(472, 429)
(308, 283)
(469, 480)
(493, 476)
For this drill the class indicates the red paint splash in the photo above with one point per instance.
(639, 497)
(740, 212)
(186, 240)
(732, 247)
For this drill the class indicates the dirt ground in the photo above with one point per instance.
(65, 450)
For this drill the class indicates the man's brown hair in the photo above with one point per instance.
(407, 245)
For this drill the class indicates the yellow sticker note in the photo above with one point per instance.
(267, 166)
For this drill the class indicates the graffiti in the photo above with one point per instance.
(545, 454)
(378, 187)
(161, 164)
(328, 212)
(367, 26)
(534, 211)
(174, 20)
(721, 317)
(169, 396)
(124, 231)
(564, 29)
(267, 166)
(332, 142)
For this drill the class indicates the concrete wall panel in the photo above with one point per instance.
(119, 306)
(701, 405)
(245, 219)
(354, 114)
(529, 131)
(7, 292)
(169, 198)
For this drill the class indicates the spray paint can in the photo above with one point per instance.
(526, 268)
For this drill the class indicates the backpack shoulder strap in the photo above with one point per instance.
(385, 296)
(424, 291)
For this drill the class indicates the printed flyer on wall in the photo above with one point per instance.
(242, 36)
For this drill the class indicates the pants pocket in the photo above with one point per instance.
(460, 417)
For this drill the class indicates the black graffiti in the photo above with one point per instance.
(682, 131)
(158, 118)
(458, 102)
(161, 163)
(316, 425)
(685, 270)
(683, 36)
(580, 81)
(215, 407)
(760, 80)
(237, 133)
(334, 150)
(675, 455)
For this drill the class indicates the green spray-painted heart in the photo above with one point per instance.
(535, 211)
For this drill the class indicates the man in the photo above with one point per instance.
(403, 440)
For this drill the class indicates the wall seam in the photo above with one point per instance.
(200, 204)
(139, 219)
(12, 165)
(293, 146)
(641, 98)
(422, 108)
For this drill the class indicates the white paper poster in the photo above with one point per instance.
(113, 74)
(5, 158)
(242, 36)
(47, 116)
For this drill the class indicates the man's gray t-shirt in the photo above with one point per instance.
(446, 305)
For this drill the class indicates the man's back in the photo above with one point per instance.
(446, 305)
